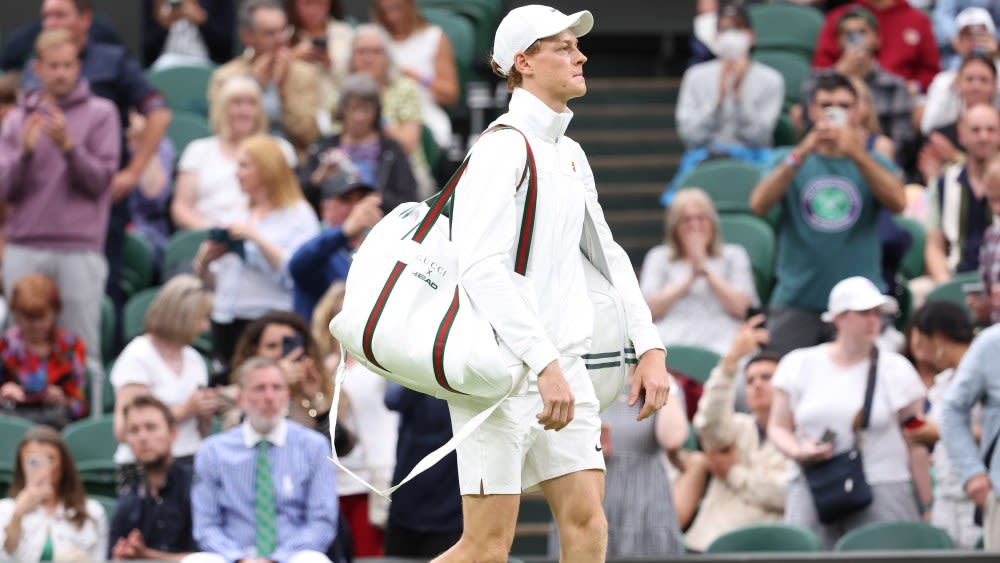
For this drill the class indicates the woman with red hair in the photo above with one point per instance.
(42, 367)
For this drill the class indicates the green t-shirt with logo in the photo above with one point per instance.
(827, 231)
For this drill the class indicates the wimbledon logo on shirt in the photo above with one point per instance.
(831, 203)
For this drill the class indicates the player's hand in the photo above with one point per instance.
(651, 383)
(557, 398)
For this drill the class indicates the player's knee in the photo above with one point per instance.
(490, 549)
(585, 526)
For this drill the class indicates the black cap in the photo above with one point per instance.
(342, 184)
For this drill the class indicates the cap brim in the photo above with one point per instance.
(888, 305)
(581, 23)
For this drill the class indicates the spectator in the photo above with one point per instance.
(162, 363)
(364, 148)
(802, 412)
(19, 45)
(728, 106)
(328, 350)
(208, 193)
(322, 38)
(951, 19)
(149, 204)
(402, 117)
(749, 472)
(114, 75)
(291, 88)
(829, 189)
(697, 287)
(187, 32)
(425, 517)
(424, 53)
(60, 144)
(986, 304)
(264, 490)
(892, 100)
(944, 329)
(977, 469)
(153, 519)
(43, 370)
(959, 213)
(249, 269)
(349, 208)
(868, 123)
(637, 500)
(47, 515)
(949, 90)
(906, 43)
(285, 338)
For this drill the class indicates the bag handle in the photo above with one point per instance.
(447, 194)
(863, 418)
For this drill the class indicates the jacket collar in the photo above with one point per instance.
(534, 116)
(276, 436)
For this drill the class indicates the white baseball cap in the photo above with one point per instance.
(523, 26)
(857, 294)
(974, 16)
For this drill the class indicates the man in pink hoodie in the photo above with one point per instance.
(58, 152)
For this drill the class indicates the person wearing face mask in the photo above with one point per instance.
(830, 189)
(728, 106)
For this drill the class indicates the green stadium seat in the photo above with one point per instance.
(784, 132)
(462, 35)
(134, 315)
(92, 443)
(766, 538)
(729, 182)
(185, 87)
(107, 330)
(913, 262)
(793, 68)
(952, 289)
(137, 264)
(891, 536)
(484, 15)
(692, 361)
(186, 127)
(181, 248)
(786, 26)
(12, 429)
(757, 238)
(431, 149)
(980, 543)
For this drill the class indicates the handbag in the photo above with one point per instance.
(839, 487)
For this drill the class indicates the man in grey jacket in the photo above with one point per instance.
(978, 468)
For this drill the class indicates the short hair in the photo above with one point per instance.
(150, 402)
(53, 38)
(763, 356)
(858, 13)
(375, 30)
(249, 7)
(977, 58)
(274, 170)
(684, 198)
(292, 13)
(738, 11)
(514, 77)
(359, 86)
(830, 81)
(177, 310)
(35, 293)
(84, 5)
(948, 319)
(253, 364)
(218, 112)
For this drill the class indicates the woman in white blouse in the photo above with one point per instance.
(48, 516)
(162, 363)
(247, 264)
(206, 192)
(697, 288)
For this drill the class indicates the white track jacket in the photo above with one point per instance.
(548, 314)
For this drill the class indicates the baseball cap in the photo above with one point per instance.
(523, 26)
(858, 12)
(342, 184)
(974, 16)
(857, 294)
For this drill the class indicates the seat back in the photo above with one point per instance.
(181, 247)
(952, 290)
(729, 182)
(757, 238)
(137, 264)
(186, 127)
(793, 68)
(786, 26)
(107, 330)
(886, 536)
(766, 538)
(185, 87)
(12, 430)
(913, 261)
(134, 315)
(692, 361)
(91, 439)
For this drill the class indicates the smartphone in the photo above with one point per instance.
(290, 343)
(35, 467)
(319, 43)
(753, 312)
(856, 39)
(837, 116)
(222, 236)
(829, 437)
(913, 422)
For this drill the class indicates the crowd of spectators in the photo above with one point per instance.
(222, 400)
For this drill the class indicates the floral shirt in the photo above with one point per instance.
(65, 367)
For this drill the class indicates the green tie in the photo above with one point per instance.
(264, 503)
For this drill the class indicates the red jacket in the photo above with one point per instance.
(908, 47)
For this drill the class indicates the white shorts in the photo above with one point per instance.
(511, 452)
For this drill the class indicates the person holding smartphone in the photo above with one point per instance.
(830, 190)
(322, 38)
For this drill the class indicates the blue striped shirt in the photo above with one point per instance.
(222, 497)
